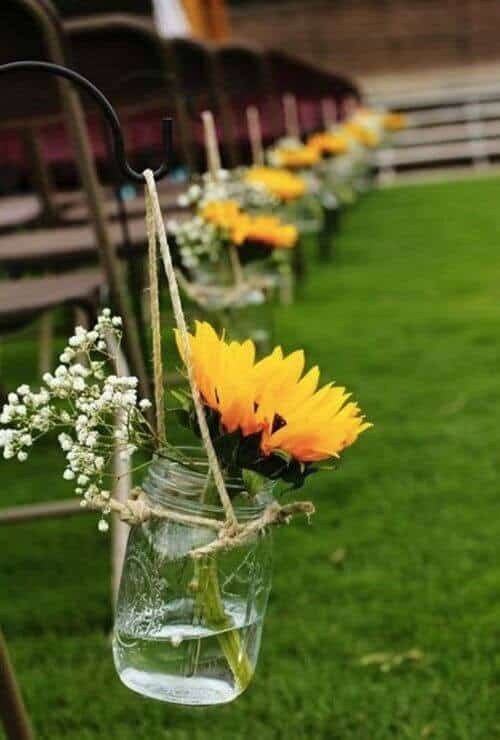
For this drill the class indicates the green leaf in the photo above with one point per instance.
(184, 399)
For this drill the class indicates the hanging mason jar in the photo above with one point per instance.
(187, 630)
(305, 212)
(244, 311)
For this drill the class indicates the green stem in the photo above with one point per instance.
(209, 608)
(210, 604)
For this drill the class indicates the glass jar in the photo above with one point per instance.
(187, 630)
(243, 314)
(305, 212)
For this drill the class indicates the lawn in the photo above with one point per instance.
(403, 552)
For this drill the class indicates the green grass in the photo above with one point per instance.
(407, 315)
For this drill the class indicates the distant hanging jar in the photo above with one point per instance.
(187, 630)
(245, 310)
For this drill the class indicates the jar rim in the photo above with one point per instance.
(176, 478)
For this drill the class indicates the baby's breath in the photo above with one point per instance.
(94, 413)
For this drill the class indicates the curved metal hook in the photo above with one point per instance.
(108, 111)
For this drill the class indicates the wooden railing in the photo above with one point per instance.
(464, 129)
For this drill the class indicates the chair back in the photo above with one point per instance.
(193, 65)
(125, 57)
(309, 84)
(242, 79)
(30, 29)
(74, 8)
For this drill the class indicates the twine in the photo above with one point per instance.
(211, 144)
(291, 112)
(136, 510)
(204, 295)
(214, 167)
(329, 113)
(255, 134)
(154, 308)
(158, 232)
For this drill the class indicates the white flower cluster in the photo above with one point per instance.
(229, 185)
(94, 413)
(255, 198)
(206, 190)
(199, 240)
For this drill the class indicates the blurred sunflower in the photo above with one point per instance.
(362, 134)
(281, 183)
(242, 227)
(296, 157)
(227, 215)
(329, 143)
(270, 231)
(273, 399)
(394, 121)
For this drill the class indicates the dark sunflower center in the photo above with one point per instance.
(278, 423)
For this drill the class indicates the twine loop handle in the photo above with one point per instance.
(156, 231)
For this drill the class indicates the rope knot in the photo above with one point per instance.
(135, 511)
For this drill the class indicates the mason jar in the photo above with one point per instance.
(188, 630)
(243, 314)
(305, 212)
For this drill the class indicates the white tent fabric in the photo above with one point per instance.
(170, 18)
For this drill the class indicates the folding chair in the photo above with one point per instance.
(31, 29)
(193, 67)
(125, 57)
(242, 79)
(310, 84)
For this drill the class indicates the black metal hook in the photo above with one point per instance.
(108, 111)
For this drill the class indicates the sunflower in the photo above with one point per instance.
(362, 134)
(242, 227)
(272, 398)
(227, 215)
(329, 143)
(272, 232)
(306, 423)
(281, 183)
(296, 157)
(223, 373)
(394, 121)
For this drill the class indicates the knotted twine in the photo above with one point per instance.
(137, 510)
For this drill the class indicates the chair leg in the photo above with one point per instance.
(45, 342)
(40, 175)
(13, 712)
